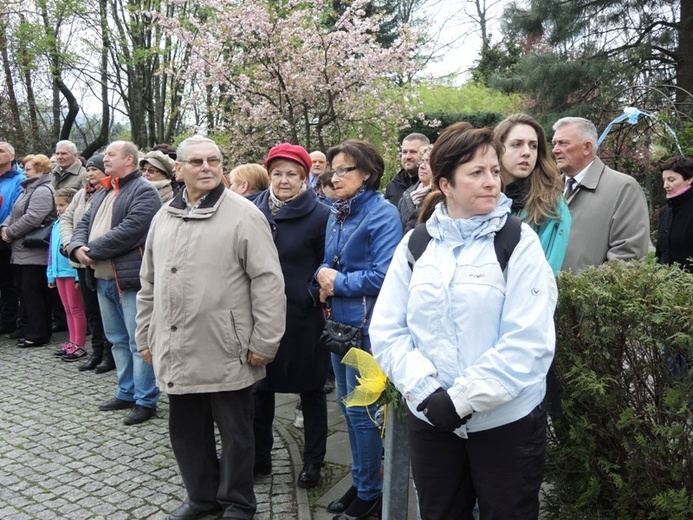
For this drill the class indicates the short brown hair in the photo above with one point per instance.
(456, 145)
(681, 165)
(367, 158)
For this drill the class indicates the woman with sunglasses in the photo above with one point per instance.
(362, 234)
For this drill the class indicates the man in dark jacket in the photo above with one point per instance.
(409, 174)
(109, 239)
(11, 178)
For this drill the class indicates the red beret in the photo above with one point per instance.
(291, 152)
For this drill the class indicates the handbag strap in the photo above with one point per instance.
(367, 310)
(335, 258)
(367, 314)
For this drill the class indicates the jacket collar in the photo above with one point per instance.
(36, 181)
(680, 200)
(360, 202)
(297, 208)
(12, 172)
(73, 169)
(206, 209)
(115, 183)
(593, 175)
(456, 232)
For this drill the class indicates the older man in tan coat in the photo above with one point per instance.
(211, 313)
(608, 208)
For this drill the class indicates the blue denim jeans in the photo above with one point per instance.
(136, 381)
(364, 435)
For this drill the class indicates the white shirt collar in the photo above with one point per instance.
(579, 177)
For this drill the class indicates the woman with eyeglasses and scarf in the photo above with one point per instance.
(362, 235)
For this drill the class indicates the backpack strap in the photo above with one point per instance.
(506, 239)
(418, 242)
(504, 242)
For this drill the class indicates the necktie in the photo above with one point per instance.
(571, 187)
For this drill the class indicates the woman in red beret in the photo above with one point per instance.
(298, 221)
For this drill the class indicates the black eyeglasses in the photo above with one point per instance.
(197, 163)
(341, 172)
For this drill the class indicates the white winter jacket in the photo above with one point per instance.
(456, 321)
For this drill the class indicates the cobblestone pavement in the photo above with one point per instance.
(60, 458)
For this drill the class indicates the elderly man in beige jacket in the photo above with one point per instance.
(210, 316)
(608, 208)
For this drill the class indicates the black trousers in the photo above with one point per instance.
(9, 298)
(92, 310)
(227, 478)
(314, 404)
(502, 468)
(34, 301)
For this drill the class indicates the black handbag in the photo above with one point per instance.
(39, 237)
(339, 337)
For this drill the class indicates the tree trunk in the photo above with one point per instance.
(684, 77)
(14, 107)
(103, 136)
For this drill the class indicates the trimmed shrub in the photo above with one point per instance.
(623, 447)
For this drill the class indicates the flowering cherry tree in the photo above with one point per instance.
(269, 71)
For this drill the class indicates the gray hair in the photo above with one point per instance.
(585, 129)
(10, 148)
(182, 150)
(67, 144)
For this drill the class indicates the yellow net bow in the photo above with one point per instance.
(372, 380)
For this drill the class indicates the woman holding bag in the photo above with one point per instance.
(362, 235)
(33, 210)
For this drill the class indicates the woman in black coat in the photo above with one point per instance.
(298, 221)
(675, 232)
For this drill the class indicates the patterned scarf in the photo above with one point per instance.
(275, 204)
(342, 208)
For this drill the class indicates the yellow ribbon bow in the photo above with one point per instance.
(372, 380)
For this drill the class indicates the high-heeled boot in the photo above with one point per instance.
(94, 360)
(107, 364)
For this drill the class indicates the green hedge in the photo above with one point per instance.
(477, 119)
(624, 447)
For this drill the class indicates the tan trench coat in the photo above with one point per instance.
(212, 288)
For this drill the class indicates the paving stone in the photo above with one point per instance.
(63, 459)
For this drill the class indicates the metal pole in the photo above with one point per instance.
(396, 474)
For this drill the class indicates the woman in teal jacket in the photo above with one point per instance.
(533, 182)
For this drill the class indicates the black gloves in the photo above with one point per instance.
(440, 411)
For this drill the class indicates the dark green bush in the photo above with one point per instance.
(624, 446)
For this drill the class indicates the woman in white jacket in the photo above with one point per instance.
(469, 345)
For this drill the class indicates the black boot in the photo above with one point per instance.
(94, 360)
(108, 363)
